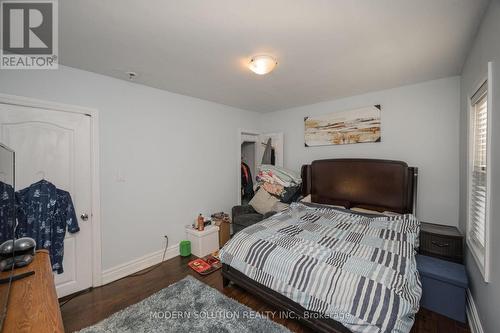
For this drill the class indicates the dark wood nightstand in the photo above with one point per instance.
(441, 241)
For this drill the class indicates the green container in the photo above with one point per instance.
(185, 248)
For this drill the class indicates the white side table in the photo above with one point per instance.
(203, 242)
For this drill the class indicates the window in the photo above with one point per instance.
(477, 228)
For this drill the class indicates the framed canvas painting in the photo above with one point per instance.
(345, 127)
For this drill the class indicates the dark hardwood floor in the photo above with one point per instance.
(99, 303)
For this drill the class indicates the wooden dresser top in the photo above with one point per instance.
(439, 229)
(33, 304)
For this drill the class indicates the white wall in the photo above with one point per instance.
(177, 154)
(486, 48)
(420, 125)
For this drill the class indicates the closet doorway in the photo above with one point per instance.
(56, 143)
(251, 148)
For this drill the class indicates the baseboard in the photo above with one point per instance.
(473, 315)
(133, 266)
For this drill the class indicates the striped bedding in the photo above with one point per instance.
(358, 270)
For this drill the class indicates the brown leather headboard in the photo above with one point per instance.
(380, 185)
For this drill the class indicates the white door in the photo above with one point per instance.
(56, 146)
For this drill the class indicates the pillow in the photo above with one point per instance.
(280, 206)
(263, 202)
(317, 205)
(366, 211)
(306, 199)
(389, 213)
(333, 206)
(336, 203)
(374, 212)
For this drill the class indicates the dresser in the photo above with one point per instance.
(441, 241)
(33, 305)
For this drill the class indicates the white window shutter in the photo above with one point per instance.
(479, 173)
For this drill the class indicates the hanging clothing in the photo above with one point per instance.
(44, 214)
(7, 212)
(246, 182)
(267, 155)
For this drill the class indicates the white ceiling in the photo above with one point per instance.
(325, 48)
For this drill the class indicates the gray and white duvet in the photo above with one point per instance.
(358, 270)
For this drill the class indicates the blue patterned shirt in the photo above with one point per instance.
(45, 213)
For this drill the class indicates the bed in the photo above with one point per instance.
(334, 269)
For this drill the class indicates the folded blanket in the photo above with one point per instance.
(279, 182)
(278, 175)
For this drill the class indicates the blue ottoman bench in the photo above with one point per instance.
(444, 284)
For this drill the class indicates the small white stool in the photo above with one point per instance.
(203, 242)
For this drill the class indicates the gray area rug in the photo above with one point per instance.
(187, 306)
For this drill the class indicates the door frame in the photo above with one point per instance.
(95, 172)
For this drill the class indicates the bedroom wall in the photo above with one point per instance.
(420, 125)
(177, 154)
(486, 48)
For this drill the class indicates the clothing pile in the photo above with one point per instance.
(279, 182)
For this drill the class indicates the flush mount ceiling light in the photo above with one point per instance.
(262, 64)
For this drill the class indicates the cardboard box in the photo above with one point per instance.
(224, 231)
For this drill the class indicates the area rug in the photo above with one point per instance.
(187, 306)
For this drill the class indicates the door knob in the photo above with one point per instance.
(84, 216)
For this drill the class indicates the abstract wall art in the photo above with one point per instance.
(345, 127)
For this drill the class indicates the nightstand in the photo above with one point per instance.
(441, 241)
(203, 242)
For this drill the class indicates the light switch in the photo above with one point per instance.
(120, 178)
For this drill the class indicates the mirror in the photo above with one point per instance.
(7, 216)
(6, 165)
